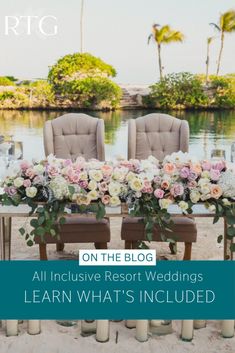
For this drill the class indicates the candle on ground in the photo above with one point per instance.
(227, 328)
(187, 330)
(102, 330)
(11, 327)
(34, 327)
(141, 333)
(199, 324)
(88, 327)
(130, 323)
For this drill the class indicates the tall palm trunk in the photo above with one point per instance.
(207, 61)
(160, 61)
(81, 26)
(220, 52)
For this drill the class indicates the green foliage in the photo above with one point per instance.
(93, 91)
(13, 99)
(76, 66)
(177, 90)
(43, 92)
(224, 90)
(6, 81)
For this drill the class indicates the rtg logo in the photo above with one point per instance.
(27, 25)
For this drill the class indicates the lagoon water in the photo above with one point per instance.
(208, 130)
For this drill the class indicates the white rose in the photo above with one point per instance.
(115, 201)
(114, 189)
(39, 169)
(2, 192)
(18, 182)
(96, 175)
(93, 195)
(183, 205)
(83, 176)
(226, 202)
(165, 203)
(31, 191)
(211, 208)
(205, 174)
(136, 184)
(195, 196)
(205, 189)
(203, 181)
(130, 176)
(92, 185)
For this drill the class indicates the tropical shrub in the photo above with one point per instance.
(42, 92)
(177, 90)
(5, 81)
(93, 91)
(224, 90)
(14, 99)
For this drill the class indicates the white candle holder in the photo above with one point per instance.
(11, 328)
(161, 327)
(227, 328)
(102, 331)
(88, 327)
(198, 324)
(130, 323)
(141, 333)
(187, 330)
(34, 327)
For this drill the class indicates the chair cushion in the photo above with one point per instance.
(81, 230)
(184, 230)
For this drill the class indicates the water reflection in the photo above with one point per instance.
(208, 130)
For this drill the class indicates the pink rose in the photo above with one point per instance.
(27, 183)
(220, 165)
(38, 179)
(157, 179)
(184, 172)
(214, 174)
(206, 165)
(103, 186)
(106, 169)
(216, 191)
(192, 175)
(192, 184)
(169, 168)
(177, 190)
(105, 199)
(52, 171)
(67, 162)
(11, 190)
(159, 193)
(30, 173)
(74, 178)
(24, 165)
(83, 184)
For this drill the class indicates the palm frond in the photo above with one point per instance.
(215, 26)
(227, 21)
(150, 37)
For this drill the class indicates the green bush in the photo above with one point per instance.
(93, 91)
(177, 90)
(13, 99)
(224, 91)
(42, 92)
(78, 66)
(5, 81)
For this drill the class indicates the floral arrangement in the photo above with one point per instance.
(148, 187)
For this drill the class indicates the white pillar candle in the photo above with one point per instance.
(11, 327)
(161, 327)
(34, 327)
(102, 330)
(141, 333)
(187, 330)
(155, 323)
(227, 329)
(199, 324)
(88, 327)
(130, 323)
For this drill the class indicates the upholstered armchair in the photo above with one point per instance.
(158, 135)
(69, 136)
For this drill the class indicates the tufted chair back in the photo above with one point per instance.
(72, 135)
(157, 135)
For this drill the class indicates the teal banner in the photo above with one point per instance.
(169, 290)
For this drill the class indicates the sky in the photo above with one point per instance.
(117, 32)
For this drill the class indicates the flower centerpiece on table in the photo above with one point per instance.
(148, 187)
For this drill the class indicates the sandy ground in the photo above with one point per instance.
(58, 339)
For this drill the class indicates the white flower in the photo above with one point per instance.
(92, 185)
(31, 191)
(205, 174)
(93, 195)
(226, 202)
(136, 184)
(165, 203)
(18, 182)
(183, 205)
(83, 175)
(59, 187)
(115, 201)
(114, 188)
(195, 196)
(96, 174)
(227, 183)
(2, 192)
(212, 208)
(39, 169)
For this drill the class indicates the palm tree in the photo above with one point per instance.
(209, 40)
(81, 25)
(226, 25)
(164, 35)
